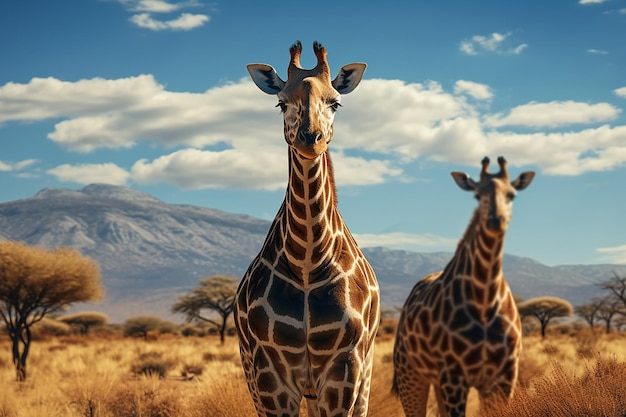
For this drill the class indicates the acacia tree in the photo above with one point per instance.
(216, 293)
(610, 306)
(545, 309)
(35, 282)
(84, 321)
(617, 287)
(589, 312)
(142, 325)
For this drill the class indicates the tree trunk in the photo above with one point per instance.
(21, 335)
(608, 326)
(223, 329)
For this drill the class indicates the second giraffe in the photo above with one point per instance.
(460, 328)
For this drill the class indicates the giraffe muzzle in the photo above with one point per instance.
(309, 138)
(497, 224)
(310, 144)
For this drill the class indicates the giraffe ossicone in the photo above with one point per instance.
(460, 328)
(307, 309)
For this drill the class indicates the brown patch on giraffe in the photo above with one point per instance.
(259, 322)
(347, 400)
(288, 335)
(474, 356)
(297, 210)
(267, 381)
(459, 345)
(423, 319)
(268, 402)
(287, 300)
(296, 250)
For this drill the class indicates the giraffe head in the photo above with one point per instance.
(308, 99)
(495, 193)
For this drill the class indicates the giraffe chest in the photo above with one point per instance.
(281, 309)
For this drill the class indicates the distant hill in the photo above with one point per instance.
(150, 252)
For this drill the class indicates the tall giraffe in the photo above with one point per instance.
(307, 309)
(459, 328)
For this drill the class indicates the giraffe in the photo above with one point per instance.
(307, 309)
(459, 328)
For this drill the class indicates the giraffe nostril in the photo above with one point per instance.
(310, 138)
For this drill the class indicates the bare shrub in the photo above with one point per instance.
(192, 370)
(586, 343)
(145, 399)
(220, 357)
(153, 364)
(600, 392)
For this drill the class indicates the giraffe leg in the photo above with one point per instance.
(441, 406)
(453, 390)
(499, 394)
(362, 400)
(344, 386)
(413, 390)
(271, 396)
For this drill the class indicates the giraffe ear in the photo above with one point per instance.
(349, 77)
(266, 78)
(524, 180)
(464, 181)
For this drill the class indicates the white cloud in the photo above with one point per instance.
(591, 1)
(554, 114)
(615, 255)
(17, 166)
(50, 98)
(107, 173)
(194, 169)
(472, 89)
(406, 241)
(157, 6)
(620, 92)
(253, 168)
(224, 132)
(494, 43)
(146, 8)
(597, 51)
(185, 21)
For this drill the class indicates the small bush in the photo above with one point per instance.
(192, 370)
(153, 364)
(220, 357)
(145, 400)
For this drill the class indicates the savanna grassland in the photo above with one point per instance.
(111, 376)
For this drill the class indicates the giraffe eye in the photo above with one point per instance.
(335, 105)
(511, 196)
(282, 105)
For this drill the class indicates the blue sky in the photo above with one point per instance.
(154, 95)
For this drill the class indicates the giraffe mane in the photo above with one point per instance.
(468, 230)
(331, 173)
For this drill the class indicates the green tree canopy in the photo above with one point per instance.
(217, 294)
(545, 309)
(35, 282)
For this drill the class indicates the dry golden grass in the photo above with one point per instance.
(89, 377)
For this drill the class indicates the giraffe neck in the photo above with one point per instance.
(311, 222)
(478, 261)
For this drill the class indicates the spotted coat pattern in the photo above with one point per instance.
(459, 328)
(307, 309)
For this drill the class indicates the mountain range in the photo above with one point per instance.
(150, 252)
